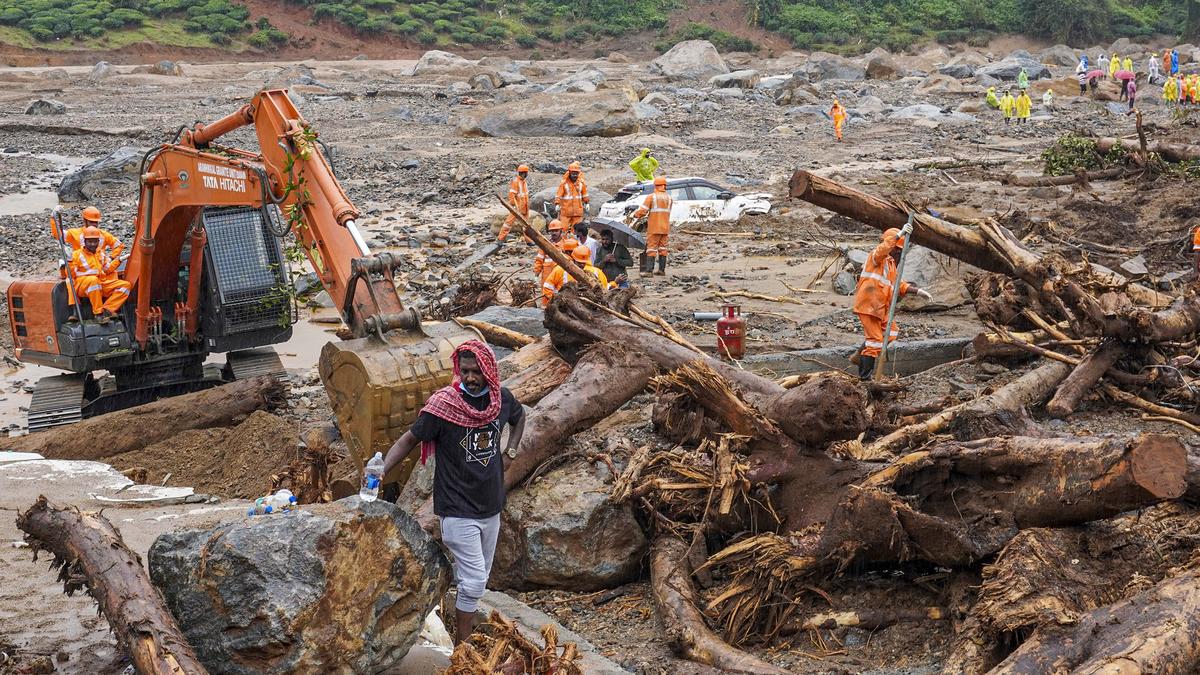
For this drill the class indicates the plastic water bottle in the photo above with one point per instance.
(372, 477)
(282, 501)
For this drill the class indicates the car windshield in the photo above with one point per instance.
(625, 194)
(706, 192)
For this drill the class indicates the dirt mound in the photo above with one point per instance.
(229, 462)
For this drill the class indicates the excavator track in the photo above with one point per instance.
(248, 363)
(57, 400)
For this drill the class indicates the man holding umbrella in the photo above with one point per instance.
(614, 259)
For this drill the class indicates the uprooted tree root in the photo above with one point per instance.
(498, 647)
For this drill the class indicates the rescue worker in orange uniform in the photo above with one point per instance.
(558, 278)
(873, 297)
(74, 236)
(518, 197)
(96, 277)
(838, 114)
(1196, 254)
(572, 196)
(554, 232)
(658, 226)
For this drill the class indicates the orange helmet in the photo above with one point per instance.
(568, 244)
(92, 215)
(893, 232)
(91, 232)
(582, 254)
(574, 166)
(555, 224)
(661, 180)
(522, 168)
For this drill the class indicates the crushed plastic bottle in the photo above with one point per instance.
(280, 502)
(372, 478)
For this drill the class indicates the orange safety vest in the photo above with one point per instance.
(518, 195)
(658, 205)
(571, 197)
(873, 295)
(74, 239)
(84, 264)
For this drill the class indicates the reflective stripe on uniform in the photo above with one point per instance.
(550, 287)
(122, 290)
(877, 277)
(92, 288)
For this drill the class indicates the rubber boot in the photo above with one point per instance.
(105, 317)
(662, 266)
(866, 367)
(643, 261)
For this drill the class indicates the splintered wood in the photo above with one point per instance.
(499, 647)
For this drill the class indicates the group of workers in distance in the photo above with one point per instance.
(95, 259)
(605, 258)
(1182, 90)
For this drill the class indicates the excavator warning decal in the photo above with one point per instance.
(222, 177)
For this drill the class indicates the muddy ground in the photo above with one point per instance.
(377, 117)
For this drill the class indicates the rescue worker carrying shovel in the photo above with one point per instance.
(873, 298)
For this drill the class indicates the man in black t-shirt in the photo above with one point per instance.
(461, 426)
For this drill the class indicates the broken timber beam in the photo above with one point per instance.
(1173, 152)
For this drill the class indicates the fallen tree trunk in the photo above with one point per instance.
(497, 335)
(1173, 152)
(1155, 631)
(1069, 179)
(868, 619)
(135, 428)
(675, 598)
(89, 552)
(1083, 378)
(533, 383)
(604, 379)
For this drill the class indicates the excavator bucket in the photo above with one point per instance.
(377, 386)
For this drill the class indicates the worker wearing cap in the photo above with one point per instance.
(1196, 253)
(91, 218)
(838, 114)
(518, 198)
(555, 231)
(96, 277)
(658, 226)
(873, 297)
(644, 166)
(572, 196)
(558, 278)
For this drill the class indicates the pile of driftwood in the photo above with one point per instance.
(756, 493)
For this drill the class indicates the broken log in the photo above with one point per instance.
(675, 598)
(868, 619)
(497, 335)
(135, 428)
(606, 376)
(89, 552)
(1173, 152)
(1155, 631)
(1069, 179)
(533, 383)
(1085, 376)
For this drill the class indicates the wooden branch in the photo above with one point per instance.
(549, 248)
(89, 552)
(1174, 152)
(1048, 181)
(1083, 378)
(497, 335)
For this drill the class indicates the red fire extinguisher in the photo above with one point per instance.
(731, 333)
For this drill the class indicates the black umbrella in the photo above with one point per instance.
(622, 233)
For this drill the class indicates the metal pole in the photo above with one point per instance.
(906, 232)
(62, 251)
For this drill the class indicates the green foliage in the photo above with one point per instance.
(85, 19)
(1073, 151)
(722, 40)
(267, 35)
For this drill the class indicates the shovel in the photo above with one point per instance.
(905, 232)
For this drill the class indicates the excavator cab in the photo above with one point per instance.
(209, 275)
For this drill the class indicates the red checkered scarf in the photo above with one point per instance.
(448, 402)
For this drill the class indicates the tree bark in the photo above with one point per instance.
(1048, 181)
(88, 551)
(533, 383)
(675, 597)
(497, 335)
(604, 379)
(135, 428)
(1173, 152)
(1155, 631)
(1085, 376)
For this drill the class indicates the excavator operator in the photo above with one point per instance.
(96, 278)
(91, 218)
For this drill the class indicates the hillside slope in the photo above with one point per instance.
(81, 31)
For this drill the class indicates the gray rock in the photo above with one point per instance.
(306, 282)
(1135, 266)
(855, 257)
(1011, 66)
(707, 107)
(120, 167)
(603, 113)
(988, 81)
(564, 532)
(292, 76)
(869, 105)
(824, 66)
(940, 84)
(844, 283)
(297, 99)
(657, 98)
(482, 82)
(586, 80)
(808, 111)
(958, 70)
(926, 112)
(437, 62)
(341, 587)
(773, 82)
(1059, 55)
(322, 299)
(881, 65)
(46, 106)
(744, 79)
(164, 67)
(509, 78)
(458, 89)
(644, 111)
(101, 70)
(731, 92)
(410, 164)
(524, 320)
(1170, 280)
(690, 60)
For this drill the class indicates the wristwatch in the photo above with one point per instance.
(511, 452)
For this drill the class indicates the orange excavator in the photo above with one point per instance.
(209, 275)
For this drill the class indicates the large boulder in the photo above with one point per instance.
(743, 79)
(1059, 55)
(959, 71)
(603, 113)
(927, 115)
(940, 84)
(563, 531)
(824, 66)
(881, 65)
(118, 168)
(1011, 66)
(292, 76)
(342, 587)
(164, 67)
(690, 60)
(46, 106)
(437, 62)
(101, 70)
(586, 80)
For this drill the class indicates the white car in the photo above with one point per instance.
(694, 200)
